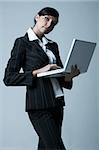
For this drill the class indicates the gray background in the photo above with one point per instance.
(81, 116)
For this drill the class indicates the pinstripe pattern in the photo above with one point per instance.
(30, 56)
(47, 124)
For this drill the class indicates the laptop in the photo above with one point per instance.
(80, 54)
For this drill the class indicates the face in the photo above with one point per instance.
(46, 23)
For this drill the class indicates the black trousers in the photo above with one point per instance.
(47, 124)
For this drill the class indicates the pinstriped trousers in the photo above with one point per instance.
(47, 124)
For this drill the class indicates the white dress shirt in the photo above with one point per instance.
(52, 60)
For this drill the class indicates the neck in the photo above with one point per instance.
(37, 32)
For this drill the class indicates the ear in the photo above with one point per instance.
(37, 17)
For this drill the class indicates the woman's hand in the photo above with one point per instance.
(49, 67)
(74, 72)
(45, 68)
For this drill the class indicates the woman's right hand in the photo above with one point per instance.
(45, 68)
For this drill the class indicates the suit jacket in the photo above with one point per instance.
(29, 56)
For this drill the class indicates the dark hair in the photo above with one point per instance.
(48, 11)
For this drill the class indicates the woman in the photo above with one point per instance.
(34, 53)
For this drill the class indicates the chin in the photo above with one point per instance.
(46, 32)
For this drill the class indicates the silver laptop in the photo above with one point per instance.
(80, 54)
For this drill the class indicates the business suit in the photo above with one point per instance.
(39, 94)
(30, 56)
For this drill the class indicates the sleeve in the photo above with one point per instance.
(66, 84)
(63, 83)
(12, 75)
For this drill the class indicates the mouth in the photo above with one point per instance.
(48, 29)
(45, 28)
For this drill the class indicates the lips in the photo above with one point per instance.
(47, 30)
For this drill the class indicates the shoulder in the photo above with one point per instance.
(21, 40)
(19, 45)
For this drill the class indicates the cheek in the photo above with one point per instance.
(40, 24)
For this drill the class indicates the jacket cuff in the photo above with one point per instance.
(30, 80)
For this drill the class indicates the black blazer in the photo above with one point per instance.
(29, 56)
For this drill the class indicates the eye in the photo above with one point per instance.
(46, 18)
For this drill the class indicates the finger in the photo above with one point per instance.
(76, 66)
(72, 68)
(53, 65)
(58, 67)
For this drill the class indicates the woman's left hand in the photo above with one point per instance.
(74, 72)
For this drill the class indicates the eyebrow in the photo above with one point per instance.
(54, 22)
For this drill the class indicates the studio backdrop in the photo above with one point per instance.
(78, 19)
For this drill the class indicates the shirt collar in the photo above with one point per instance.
(32, 36)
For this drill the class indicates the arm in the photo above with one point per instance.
(45, 68)
(66, 82)
(68, 79)
(12, 76)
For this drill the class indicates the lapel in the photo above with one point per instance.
(39, 48)
(36, 45)
(51, 47)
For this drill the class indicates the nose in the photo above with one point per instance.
(49, 23)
